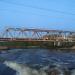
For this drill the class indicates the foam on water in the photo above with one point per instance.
(22, 69)
(73, 72)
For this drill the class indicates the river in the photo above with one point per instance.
(36, 62)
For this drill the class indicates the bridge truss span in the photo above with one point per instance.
(36, 34)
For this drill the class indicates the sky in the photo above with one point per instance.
(44, 14)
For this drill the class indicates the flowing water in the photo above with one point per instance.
(36, 62)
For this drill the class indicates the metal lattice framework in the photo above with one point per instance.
(24, 33)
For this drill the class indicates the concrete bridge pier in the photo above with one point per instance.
(57, 43)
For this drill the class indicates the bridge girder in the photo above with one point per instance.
(37, 34)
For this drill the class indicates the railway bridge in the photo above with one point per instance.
(22, 37)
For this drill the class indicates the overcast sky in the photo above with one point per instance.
(46, 14)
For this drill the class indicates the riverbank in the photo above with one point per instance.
(4, 48)
(56, 49)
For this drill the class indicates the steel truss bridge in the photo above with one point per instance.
(24, 34)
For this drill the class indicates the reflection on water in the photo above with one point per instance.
(38, 62)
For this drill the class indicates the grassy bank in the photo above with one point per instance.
(26, 44)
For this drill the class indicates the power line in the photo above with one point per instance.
(44, 9)
(31, 13)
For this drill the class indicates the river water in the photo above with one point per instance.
(36, 62)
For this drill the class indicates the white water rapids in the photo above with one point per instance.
(22, 69)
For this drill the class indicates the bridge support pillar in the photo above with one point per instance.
(57, 43)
